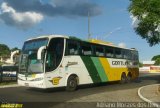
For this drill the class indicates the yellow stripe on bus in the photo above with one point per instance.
(112, 73)
(106, 68)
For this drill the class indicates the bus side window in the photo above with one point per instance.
(134, 55)
(124, 54)
(72, 47)
(129, 55)
(109, 52)
(118, 53)
(99, 50)
(86, 49)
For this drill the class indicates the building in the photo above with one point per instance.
(148, 66)
(148, 63)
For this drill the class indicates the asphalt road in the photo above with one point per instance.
(90, 93)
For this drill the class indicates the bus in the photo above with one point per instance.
(8, 73)
(64, 61)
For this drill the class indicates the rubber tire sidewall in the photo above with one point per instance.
(74, 80)
(123, 78)
(129, 78)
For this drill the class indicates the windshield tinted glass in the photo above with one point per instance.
(34, 44)
(28, 60)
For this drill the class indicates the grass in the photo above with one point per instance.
(7, 83)
(1, 63)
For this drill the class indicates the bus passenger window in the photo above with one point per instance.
(72, 47)
(134, 55)
(129, 55)
(86, 49)
(125, 54)
(99, 51)
(109, 52)
(118, 53)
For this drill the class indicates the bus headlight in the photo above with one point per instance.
(37, 79)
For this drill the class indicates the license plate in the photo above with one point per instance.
(26, 84)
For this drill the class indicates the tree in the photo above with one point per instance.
(140, 64)
(157, 62)
(14, 49)
(155, 57)
(147, 13)
(4, 50)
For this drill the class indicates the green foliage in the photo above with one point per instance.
(156, 57)
(148, 14)
(7, 83)
(14, 49)
(4, 50)
(1, 63)
(140, 64)
(157, 62)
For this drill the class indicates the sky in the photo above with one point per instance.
(109, 21)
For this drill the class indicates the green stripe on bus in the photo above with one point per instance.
(100, 69)
(91, 69)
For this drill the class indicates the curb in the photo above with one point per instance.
(145, 99)
(7, 86)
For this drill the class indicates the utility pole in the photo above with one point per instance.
(89, 34)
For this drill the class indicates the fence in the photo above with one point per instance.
(8, 73)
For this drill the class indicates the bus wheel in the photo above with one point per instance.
(123, 78)
(71, 83)
(129, 78)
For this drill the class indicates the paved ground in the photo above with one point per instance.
(150, 94)
(85, 95)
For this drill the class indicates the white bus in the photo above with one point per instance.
(62, 61)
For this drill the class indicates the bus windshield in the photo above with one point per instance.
(34, 44)
(29, 62)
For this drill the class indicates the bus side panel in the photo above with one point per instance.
(89, 70)
(69, 66)
(99, 67)
(115, 67)
(106, 66)
(75, 65)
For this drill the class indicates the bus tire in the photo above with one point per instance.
(129, 77)
(123, 78)
(72, 83)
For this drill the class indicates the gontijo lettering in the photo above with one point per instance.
(120, 62)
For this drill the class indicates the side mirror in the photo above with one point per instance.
(39, 53)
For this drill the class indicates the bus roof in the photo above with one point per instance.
(94, 41)
(48, 36)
